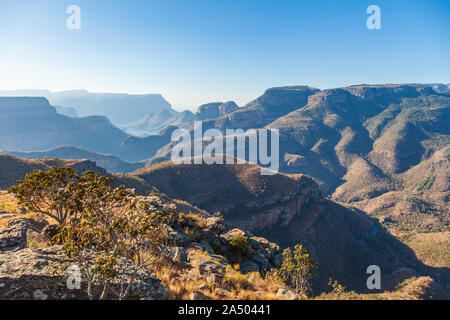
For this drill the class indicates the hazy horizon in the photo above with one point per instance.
(194, 108)
(195, 53)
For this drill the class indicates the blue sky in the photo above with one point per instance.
(200, 51)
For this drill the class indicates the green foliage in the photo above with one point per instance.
(100, 225)
(48, 192)
(337, 288)
(239, 247)
(420, 205)
(426, 184)
(297, 269)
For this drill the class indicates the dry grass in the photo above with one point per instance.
(235, 286)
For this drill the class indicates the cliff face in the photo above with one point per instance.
(25, 106)
(214, 110)
(287, 210)
(279, 209)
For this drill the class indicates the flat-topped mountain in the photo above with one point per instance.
(30, 124)
(119, 108)
(274, 103)
(215, 110)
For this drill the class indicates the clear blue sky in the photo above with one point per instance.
(199, 51)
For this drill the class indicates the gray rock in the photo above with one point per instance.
(277, 259)
(176, 254)
(33, 224)
(24, 272)
(222, 292)
(14, 237)
(207, 247)
(232, 234)
(177, 238)
(261, 261)
(287, 294)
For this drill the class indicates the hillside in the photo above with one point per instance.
(381, 147)
(109, 162)
(141, 148)
(289, 209)
(154, 123)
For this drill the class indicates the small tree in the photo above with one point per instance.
(47, 192)
(297, 269)
(126, 233)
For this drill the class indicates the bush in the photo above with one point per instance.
(297, 269)
(94, 217)
(239, 244)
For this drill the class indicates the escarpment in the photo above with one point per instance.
(278, 209)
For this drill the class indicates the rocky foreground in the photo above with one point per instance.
(203, 247)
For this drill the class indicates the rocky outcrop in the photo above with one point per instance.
(14, 237)
(280, 209)
(42, 274)
(213, 249)
(293, 96)
(214, 110)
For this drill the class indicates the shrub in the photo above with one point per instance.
(239, 244)
(297, 269)
(116, 225)
(48, 192)
(100, 225)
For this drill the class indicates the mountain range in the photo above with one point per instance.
(119, 108)
(364, 170)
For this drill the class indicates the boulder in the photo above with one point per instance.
(222, 292)
(227, 237)
(176, 254)
(177, 238)
(34, 224)
(44, 274)
(206, 264)
(14, 237)
(287, 294)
